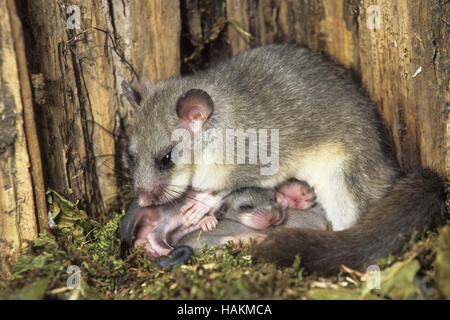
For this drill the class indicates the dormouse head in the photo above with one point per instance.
(257, 208)
(159, 176)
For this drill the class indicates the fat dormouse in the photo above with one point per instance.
(327, 136)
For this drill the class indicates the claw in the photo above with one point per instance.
(208, 223)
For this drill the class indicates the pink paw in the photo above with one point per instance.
(295, 194)
(208, 223)
(196, 207)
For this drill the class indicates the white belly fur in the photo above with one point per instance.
(322, 168)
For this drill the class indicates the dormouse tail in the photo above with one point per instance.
(416, 202)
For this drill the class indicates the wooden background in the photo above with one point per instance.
(64, 122)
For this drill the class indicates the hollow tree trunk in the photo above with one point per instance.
(22, 194)
(83, 116)
(402, 63)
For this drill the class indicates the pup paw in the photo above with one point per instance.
(296, 194)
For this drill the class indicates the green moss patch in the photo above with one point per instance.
(48, 269)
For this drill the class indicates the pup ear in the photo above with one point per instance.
(131, 94)
(193, 109)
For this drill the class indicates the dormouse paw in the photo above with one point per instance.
(296, 194)
(208, 223)
(196, 207)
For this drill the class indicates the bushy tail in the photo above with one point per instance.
(415, 202)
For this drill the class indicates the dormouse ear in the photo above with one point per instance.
(131, 94)
(193, 109)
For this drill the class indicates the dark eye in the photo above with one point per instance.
(166, 161)
(246, 207)
(221, 211)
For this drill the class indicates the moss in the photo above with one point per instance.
(443, 262)
(225, 272)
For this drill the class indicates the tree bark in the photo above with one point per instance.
(83, 116)
(22, 193)
(403, 65)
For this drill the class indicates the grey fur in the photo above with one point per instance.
(311, 100)
(415, 202)
(231, 223)
(170, 232)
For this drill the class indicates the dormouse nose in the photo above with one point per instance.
(147, 196)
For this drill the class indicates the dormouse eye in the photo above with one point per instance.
(219, 213)
(166, 161)
(246, 207)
